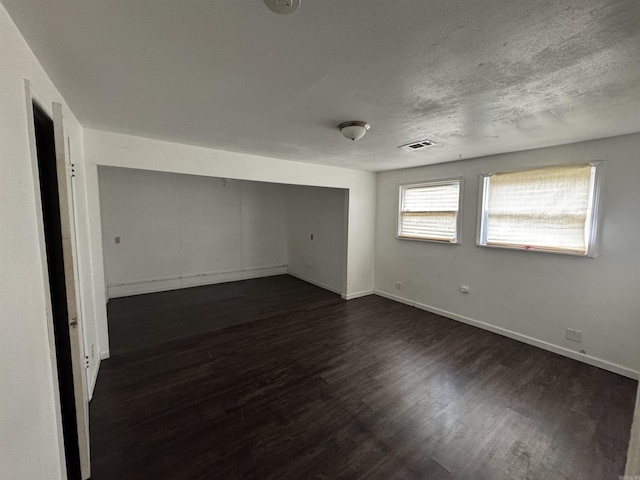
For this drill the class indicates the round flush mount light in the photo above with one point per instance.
(353, 130)
(283, 7)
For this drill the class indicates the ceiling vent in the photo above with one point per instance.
(422, 144)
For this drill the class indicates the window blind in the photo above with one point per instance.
(546, 208)
(430, 211)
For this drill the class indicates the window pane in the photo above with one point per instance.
(545, 208)
(430, 211)
(436, 198)
(434, 225)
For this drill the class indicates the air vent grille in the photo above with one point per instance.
(413, 146)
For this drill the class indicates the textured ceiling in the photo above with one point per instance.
(477, 77)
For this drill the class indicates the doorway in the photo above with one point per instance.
(49, 195)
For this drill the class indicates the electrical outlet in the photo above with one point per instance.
(117, 239)
(464, 289)
(398, 286)
(574, 335)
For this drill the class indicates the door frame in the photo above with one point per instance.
(54, 111)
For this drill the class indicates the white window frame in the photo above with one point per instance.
(430, 183)
(593, 211)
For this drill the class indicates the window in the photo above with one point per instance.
(551, 209)
(430, 211)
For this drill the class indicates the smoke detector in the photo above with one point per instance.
(283, 7)
(419, 145)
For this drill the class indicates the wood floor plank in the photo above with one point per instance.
(277, 379)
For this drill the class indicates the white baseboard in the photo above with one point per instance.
(143, 286)
(591, 360)
(316, 283)
(351, 296)
(346, 296)
(127, 289)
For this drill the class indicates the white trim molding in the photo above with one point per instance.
(364, 293)
(139, 287)
(345, 296)
(588, 359)
(317, 284)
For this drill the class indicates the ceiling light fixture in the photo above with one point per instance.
(283, 7)
(353, 130)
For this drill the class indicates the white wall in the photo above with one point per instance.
(30, 429)
(320, 212)
(529, 295)
(184, 230)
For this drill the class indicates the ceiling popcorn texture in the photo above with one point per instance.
(477, 78)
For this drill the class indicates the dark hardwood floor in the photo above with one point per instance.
(313, 387)
(144, 320)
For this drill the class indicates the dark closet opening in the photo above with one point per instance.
(45, 146)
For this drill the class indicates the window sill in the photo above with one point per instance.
(431, 240)
(521, 248)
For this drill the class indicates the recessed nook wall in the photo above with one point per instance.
(163, 231)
